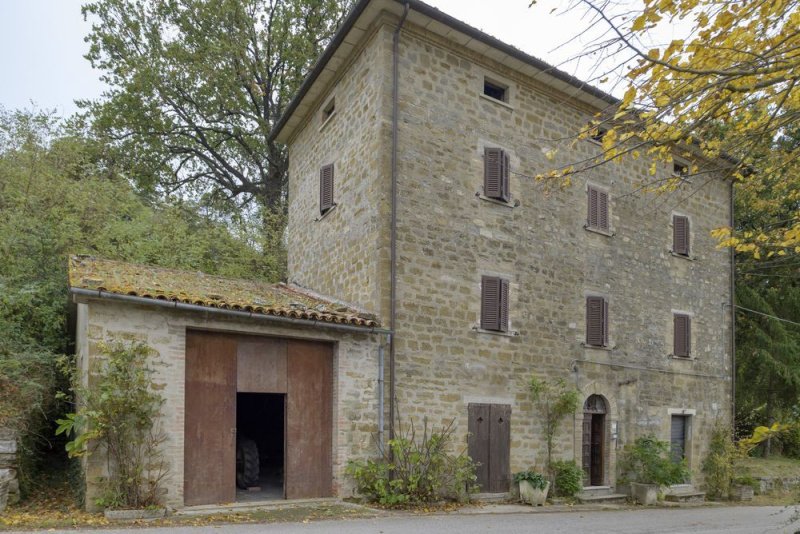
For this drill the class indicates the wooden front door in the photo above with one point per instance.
(309, 416)
(593, 440)
(489, 444)
(210, 422)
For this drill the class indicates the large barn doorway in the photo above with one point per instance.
(594, 438)
(276, 395)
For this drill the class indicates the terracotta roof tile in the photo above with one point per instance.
(87, 272)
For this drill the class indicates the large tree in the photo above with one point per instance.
(194, 87)
(723, 96)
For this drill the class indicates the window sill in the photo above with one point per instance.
(597, 347)
(510, 204)
(496, 101)
(327, 121)
(689, 358)
(687, 257)
(607, 233)
(326, 213)
(510, 333)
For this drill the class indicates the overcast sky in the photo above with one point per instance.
(42, 44)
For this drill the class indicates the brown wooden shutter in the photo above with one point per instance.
(591, 217)
(596, 325)
(605, 323)
(602, 210)
(682, 335)
(680, 234)
(325, 188)
(490, 299)
(493, 163)
(505, 192)
(503, 323)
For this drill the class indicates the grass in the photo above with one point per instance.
(774, 466)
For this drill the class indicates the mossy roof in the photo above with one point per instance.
(147, 281)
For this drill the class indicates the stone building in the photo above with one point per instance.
(412, 147)
(453, 278)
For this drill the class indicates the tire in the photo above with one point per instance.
(247, 470)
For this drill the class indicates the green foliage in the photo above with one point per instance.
(718, 466)
(557, 400)
(768, 356)
(194, 89)
(537, 480)
(567, 478)
(118, 411)
(415, 470)
(647, 461)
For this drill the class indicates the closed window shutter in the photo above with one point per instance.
(682, 335)
(494, 172)
(680, 235)
(505, 192)
(596, 323)
(602, 210)
(605, 323)
(490, 299)
(325, 188)
(503, 323)
(591, 217)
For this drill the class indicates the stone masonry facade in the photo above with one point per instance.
(449, 237)
(355, 399)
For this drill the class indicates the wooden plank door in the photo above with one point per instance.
(500, 448)
(586, 448)
(309, 420)
(479, 417)
(677, 437)
(489, 445)
(210, 421)
(598, 446)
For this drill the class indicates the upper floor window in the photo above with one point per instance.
(494, 303)
(495, 90)
(496, 174)
(326, 189)
(680, 235)
(682, 335)
(328, 110)
(596, 321)
(680, 170)
(597, 216)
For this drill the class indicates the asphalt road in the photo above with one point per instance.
(729, 520)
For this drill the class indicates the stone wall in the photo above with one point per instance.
(8, 463)
(355, 366)
(448, 237)
(345, 253)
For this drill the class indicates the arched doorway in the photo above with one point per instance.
(594, 439)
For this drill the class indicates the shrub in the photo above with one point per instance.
(567, 478)
(648, 461)
(718, 465)
(415, 470)
(537, 480)
(556, 400)
(119, 412)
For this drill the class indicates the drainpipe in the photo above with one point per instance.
(393, 234)
(733, 314)
(380, 398)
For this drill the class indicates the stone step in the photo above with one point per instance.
(594, 491)
(611, 498)
(490, 497)
(685, 496)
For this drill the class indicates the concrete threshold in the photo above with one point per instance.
(254, 506)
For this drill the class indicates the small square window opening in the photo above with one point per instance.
(495, 90)
(680, 170)
(598, 134)
(328, 109)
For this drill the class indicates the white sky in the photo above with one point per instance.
(42, 44)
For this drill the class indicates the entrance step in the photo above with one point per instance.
(490, 497)
(684, 493)
(600, 495)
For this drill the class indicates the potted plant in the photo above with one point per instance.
(743, 488)
(647, 466)
(533, 487)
